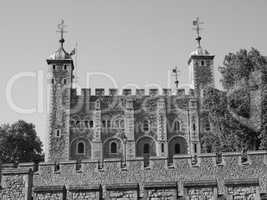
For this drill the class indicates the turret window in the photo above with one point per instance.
(80, 148)
(58, 132)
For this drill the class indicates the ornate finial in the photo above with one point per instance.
(175, 72)
(61, 30)
(196, 24)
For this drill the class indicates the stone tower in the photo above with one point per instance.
(201, 65)
(60, 75)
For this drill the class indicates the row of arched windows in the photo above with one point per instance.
(80, 148)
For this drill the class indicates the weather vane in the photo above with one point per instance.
(196, 24)
(175, 72)
(61, 30)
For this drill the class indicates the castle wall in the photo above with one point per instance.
(205, 179)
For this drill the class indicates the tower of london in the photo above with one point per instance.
(97, 125)
(131, 145)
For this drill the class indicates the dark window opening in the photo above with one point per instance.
(113, 147)
(91, 124)
(146, 126)
(52, 81)
(65, 67)
(146, 148)
(54, 67)
(202, 63)
(104, 124)
(195, 148)
(64, 81)
(177, 148)
(162, 147)
(77, 123)
(81, 147)
(58, 133)
(194, 127)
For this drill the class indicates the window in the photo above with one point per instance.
(146, 148)
(80, 148)
(108, 124)
(113, 147)
(54, 67)
(207, 126)
(53, 81)
(195, 148)
(146, 125)
(202, 63)
(91, 124)
(177, 149)
(176, 126)
(64, 81)
(65, 67)
(121, 123)
(162, 147)
(104, 124)
(77, 123)
(86, 124)
(194, 127)
(58, 132)
(72, 123)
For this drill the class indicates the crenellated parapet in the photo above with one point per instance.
(205, 175)
(100, 92)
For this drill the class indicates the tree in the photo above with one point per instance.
(20, 143)
(239, 65)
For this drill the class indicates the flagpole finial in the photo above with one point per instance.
(196, 24)
(61, 29)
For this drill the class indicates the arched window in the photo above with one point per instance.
(113, 147)
(177, 126)
(80, 148)
(121, 123)
(146, 125)
(146, 148)
(177, 148)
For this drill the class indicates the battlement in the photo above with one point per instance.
(129, 92)
(140, 178)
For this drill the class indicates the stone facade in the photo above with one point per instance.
(206, 179)
(99, 126)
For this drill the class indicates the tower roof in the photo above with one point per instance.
(61, 54)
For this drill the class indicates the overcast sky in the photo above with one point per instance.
(133, 41)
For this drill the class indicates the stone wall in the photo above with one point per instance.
(204, 179)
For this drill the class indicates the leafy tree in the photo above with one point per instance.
(230, 135)
(20, 143)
